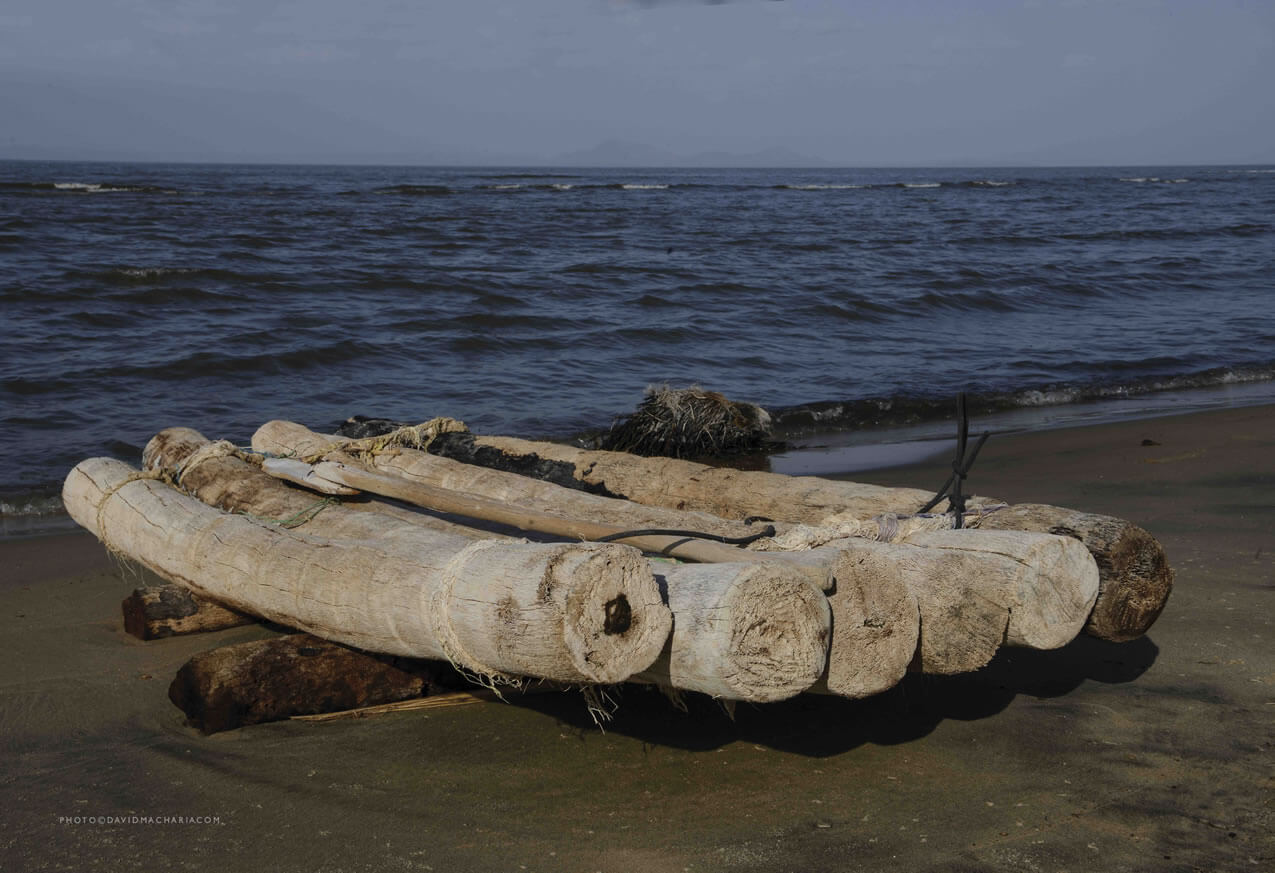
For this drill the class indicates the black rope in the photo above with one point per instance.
(951, 489)
(768, 531)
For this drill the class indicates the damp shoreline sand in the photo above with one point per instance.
(1149, 755)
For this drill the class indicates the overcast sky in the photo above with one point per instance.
(863, 83)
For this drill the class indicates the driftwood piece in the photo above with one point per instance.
(1135, 578)
(757, 633)
(574, 613)
(298, 674)
(157, 611)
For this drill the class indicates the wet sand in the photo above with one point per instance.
(1150, 755)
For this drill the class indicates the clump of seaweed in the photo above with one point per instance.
(690, 423)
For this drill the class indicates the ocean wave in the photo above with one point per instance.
(638, 186)
(416, 190)
(86, 187)
(1155, 180)
(31, 505)
(907, 409)
(813, 187)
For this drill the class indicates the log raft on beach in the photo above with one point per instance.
(393, 546)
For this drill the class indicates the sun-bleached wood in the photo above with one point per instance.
(573, 613)
(756, 633)
(1047, 583)
(1135, 577)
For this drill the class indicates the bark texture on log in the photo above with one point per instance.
(490, 607)
(158, 611)
(757, 633)
(1050, 582)
(1135, 578)
(268, 680)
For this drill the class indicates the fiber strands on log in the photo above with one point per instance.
(573, 613)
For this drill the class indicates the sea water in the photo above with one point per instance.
(854, 304)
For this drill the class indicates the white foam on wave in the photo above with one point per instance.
(824, 187)
(503, 187)
(992, 183)
(560, 186)
(1156, 180)
(31, 506)
(634, 187)
(922, 184)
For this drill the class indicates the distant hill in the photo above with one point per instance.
(619, 153)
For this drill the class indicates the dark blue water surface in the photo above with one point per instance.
(533, 302)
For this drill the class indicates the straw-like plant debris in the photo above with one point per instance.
(690, 423)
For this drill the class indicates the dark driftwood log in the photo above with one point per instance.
(158, 611)
(1135, 577)
(273, 679)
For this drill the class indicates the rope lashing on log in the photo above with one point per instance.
(951, 489)
(416, 436)
(215, 449)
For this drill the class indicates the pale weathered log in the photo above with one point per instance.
(158, 611)
(758, 634)
(1135, 578)
(298, 674)
(573, 613)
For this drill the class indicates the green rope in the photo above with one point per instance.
(299, 518)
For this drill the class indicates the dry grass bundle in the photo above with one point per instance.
(689, 423)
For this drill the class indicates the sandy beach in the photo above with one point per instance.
(1151, 755)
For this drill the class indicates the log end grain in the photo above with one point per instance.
(779, 633)
(615, 622)
(875, 625)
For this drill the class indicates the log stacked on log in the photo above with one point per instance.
(968, 583)
(1135, 578)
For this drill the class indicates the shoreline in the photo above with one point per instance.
(1153, 754)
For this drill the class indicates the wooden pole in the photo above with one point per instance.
(1135, 577)
(573, 613)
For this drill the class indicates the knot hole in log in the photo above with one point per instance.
(619, 616)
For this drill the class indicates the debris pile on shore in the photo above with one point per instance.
(421, 564)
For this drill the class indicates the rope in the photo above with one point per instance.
(768, 531)
(416, 436)
(438, 616)
(135, 476)
(951, 489)
(296, 520)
